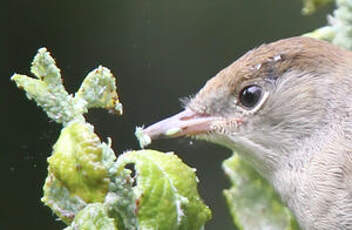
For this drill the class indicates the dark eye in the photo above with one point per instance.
(250, 95)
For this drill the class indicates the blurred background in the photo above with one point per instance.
(160, 51)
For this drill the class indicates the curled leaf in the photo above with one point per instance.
(99, 90)
(77, 162)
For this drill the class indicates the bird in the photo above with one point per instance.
(286, 108)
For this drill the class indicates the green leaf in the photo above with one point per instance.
(93, 217)
(311, 5)
(166, 191)
(254, 205)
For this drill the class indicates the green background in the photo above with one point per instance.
(161, 50)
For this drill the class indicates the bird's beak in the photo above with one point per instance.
(185, 123)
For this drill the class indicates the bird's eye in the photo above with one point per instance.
(250, 95)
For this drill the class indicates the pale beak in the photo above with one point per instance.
(185, 123)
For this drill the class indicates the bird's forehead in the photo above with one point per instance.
(256, 65)
(269, 62)
(265, 62)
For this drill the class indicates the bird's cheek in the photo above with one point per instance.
(227, 127)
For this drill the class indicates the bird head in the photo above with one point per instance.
(270, 102)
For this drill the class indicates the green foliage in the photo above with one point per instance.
(58, 197)
(47, 90)
(339, 28)
(76, 162)
(253, 203)
(93, 217)
(86, 186)
(310, 6)
(97, 91)
(166, 191)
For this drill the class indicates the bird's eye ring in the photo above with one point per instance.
(250, 95)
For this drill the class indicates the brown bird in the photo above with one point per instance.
(286, 108)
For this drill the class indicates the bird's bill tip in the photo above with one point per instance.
(185, 123)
